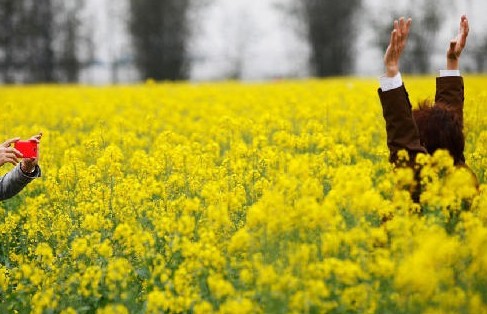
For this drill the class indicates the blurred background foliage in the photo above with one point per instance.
(70, 41)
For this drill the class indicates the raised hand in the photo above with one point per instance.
(9, 154)
(397, 43)
(457, 44)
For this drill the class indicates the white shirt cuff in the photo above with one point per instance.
(387, 83)
(449, 73)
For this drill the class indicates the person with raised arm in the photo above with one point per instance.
(431, 126)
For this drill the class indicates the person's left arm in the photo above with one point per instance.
(449, 86)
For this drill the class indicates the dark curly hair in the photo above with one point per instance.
(440, 127)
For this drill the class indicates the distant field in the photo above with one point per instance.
(237, 198)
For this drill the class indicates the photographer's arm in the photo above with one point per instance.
(15, 180)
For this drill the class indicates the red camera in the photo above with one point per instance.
(29, 149)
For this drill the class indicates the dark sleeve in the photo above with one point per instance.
(450, 92)
(402, 132)
(15, 180)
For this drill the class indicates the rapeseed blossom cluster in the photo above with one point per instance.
(238, 198)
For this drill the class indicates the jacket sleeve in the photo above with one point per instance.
(450, 92)
(402, 132)
(14, 181)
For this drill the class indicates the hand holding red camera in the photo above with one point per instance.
(29, 163)
(28, 150)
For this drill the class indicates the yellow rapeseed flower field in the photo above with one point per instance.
(238, 198)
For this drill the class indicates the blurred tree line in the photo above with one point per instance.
(44, 41)
(160, 32)
(39, 40)
(160, 29)
(428, 18)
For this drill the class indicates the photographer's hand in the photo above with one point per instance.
(9, 154)
(397, 43)
(28, 165)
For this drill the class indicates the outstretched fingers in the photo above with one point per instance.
(401, 27)
(459, 42)
(397, 43)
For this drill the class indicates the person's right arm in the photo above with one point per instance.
(402, 132)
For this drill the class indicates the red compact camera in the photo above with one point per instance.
(29, 149)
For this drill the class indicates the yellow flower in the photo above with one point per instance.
(4, 279)
(105, 249)
(239, 198)
(240, 241)
(44, 253)
(90, 281)
(69, 310)
(237, 306)
(113, 309)
(429, 266)
(44, 300)
(156, 302)
(203, 307)
(117, 275)
(80, 247)
(219, 287)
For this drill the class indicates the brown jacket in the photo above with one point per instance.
(402, 132)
